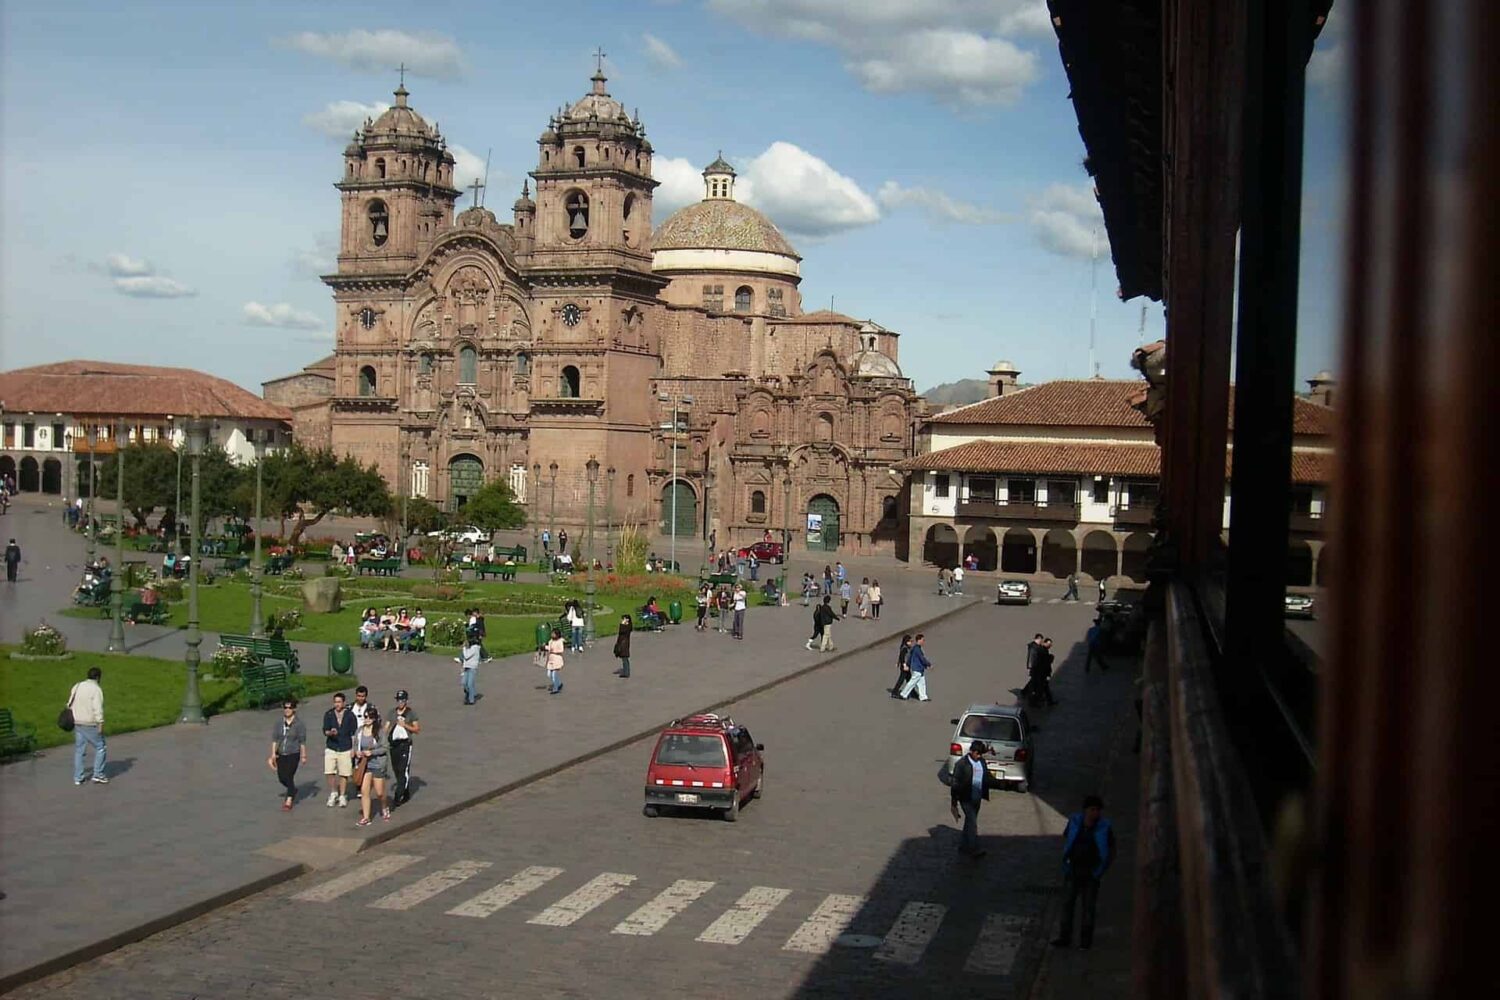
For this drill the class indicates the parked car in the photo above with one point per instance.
(1006, 731)
(1012, 592)
(704, 762)
(1299, 606)
(466, 535)
(766, 552)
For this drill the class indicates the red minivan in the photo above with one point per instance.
(704, 762)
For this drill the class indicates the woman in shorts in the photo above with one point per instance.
(372, 745)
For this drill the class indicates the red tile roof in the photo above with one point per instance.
(102, 388)
(1068, 458)
(1099, 403)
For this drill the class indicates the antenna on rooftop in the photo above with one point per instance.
(1140, 334)
(486, 187)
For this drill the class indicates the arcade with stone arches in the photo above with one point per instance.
(1093, 553)
(33, 474)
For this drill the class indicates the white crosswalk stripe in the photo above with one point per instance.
(373, 871)
(736, 923)
(819, 931)
(425, 888)
(583, 900)
(526, 881)
(912, 932)
(999, 940)
(668, 903)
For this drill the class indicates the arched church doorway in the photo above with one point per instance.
(822, 524)
(679, 510)
(465, 478)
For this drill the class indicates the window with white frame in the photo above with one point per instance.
(1062, 493)
(419, 479)
(518, 482)
(940, 485)
(1021, 491)
(1101, 489)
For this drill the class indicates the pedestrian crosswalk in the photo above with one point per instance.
(823, 922)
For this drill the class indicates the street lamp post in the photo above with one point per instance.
(534, 510)
(192, 703)
(257, 438)
(674, 402)
(609, 524)
(405, 487)
(708, 492)
(552, 517)
(592, 467)
(786, 523)
(177, 504)
(92, 430)
(117, 578)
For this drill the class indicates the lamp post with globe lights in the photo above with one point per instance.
(592, 468)
(192, 702)
(117, 578)
(609, 524)
(552, 517)
(534, 511)
(92, 431)
(258, 440)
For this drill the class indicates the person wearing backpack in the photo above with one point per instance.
(86, 701)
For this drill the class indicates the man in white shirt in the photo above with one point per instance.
(87, 702)
(416, 631)
(958, 579)
(739, 610)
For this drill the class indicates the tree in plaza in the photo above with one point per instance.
(150, 479)
(311, 484)
(494, 508)
(221, 486)
(422, 516)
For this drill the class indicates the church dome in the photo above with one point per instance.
(873, 364)
(721, 224)
(401, 120)
(597, 105)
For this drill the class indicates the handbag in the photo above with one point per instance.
(65, 717)
(359, 772)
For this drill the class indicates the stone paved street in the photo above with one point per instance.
(841, 881)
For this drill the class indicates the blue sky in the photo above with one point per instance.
(166, 168)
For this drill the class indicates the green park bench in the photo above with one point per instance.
(504, 572)
(265, 683)
(516, 552)
(264, 650)
(142, 613)
(720, 579)
(230, 564)
(15, 737)
(277, 565)
(380, 567)
(96, 596)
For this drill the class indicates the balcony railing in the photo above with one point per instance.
(1136, 515)
(1019, 510)
(1306, 524)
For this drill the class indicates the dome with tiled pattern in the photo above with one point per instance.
(721, 224)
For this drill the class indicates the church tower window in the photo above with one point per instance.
(758, 502)
(578, 155)
(380, 168)
(367, 381)
(577, 208)
(468, 365)
(567, 384)
(742, 298)
(380, 220)
(523, 364)
(630, 485)
(424, 364)
(628, 210)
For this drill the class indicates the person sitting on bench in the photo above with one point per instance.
(652, 612)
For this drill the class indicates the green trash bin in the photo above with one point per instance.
(674, 612)
(340, 660)
(543, 633)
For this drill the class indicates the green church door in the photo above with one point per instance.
(683, 520)
(465, 477)
(823, 524)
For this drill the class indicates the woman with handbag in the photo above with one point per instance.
(622, 646)
(554, 662)
(372, 756)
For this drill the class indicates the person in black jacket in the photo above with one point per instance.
(823, 617)
(903, 668)
(622, 646)
(970, 785)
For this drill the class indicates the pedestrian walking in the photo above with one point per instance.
(1101, 590)
(877, 598)
(405, 725)
(809, 589)
(12, 561)
(704, 596)
(970, 786)
(468, 659)
(1039, 669)
(86, 699)
(576, 622)
(372, 750)
(546, 542)
(862, 598)
(740, 601)
(554, 662)
(338, 751)
(622, 646)
(903, 668)
(288, 750)
(360, 706)
(562, 542)
(845, 592)
(1094, 638)
(822, 618)
(1072, 592)
(945, 581)
(827, 581)
(1088, 851)
(825, 643)
(919, 663)
(958, 580)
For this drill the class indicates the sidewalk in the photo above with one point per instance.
(191, 818)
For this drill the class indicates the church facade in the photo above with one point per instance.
(677, 358)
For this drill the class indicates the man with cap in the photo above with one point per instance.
(404, 726)
(969, 786)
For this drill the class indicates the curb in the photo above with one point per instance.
(198, 909)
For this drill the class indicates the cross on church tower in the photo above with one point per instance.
(477, 187)
(402, 70)
(599, 55)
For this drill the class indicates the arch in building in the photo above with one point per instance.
(367, 381)
(568, 382)
(1321, 574)
(52, 476)
(1099, 557)
(940, 546)
(1018, 551)
(1059, 553)
(743, 299)
(889, 508)
(468, 364)
(679, 509)
(30, 479)
(980, 542)
(8, 469)
(757, 501)
(823, 428)
(1133, 560)
(823, 510)
(465, 478)
(1299, 563)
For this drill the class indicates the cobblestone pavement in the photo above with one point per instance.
(842, 881)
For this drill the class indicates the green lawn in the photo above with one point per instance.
(512, 610)
(140, 692)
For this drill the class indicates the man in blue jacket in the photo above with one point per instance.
(1088, 849)
(970, 785)
(919, 663)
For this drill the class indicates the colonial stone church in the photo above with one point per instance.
(469, 349)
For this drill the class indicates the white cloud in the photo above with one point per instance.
(803, 194)
(958, 51)
(153, 287)
(681, 184)
(319, 259)
(119, 265)
(280, 315)
(381, 51)
(1068, 221)
(339, 119)
(660, 54)
(939, 205)
(467, 168)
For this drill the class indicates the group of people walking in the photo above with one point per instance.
(362, 751)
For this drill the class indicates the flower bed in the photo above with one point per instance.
(44, 640)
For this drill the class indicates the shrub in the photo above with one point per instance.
(286, 620)
(438, 591)
(44, 640)
(295, 573)
(338, 569)
(228, 660)
(446, 631)
(169, 589)
(630, 551)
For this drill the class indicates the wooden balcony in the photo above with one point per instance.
(1306, 524)
(1007, 510)
(1137, 516)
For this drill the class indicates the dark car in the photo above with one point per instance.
(1299, 606)
(766, 552)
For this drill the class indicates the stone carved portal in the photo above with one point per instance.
(469, 294)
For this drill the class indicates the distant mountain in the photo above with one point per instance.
(964, 391)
